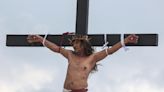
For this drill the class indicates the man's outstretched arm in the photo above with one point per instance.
(102, 54)
(48, 44)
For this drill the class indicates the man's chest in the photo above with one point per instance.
(80, 64)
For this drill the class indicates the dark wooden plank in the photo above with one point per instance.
(82, 17)
(96, 40)
(146, 40)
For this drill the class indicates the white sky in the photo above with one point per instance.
(37, 69)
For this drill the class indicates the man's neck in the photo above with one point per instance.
(81, 54)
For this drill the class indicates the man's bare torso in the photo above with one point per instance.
(78, 71)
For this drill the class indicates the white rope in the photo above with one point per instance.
(44, 39)
(105, 44)
(122, 43)
(106, 50)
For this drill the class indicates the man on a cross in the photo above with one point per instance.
(82, 61)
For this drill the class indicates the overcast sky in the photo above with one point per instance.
(37, 69)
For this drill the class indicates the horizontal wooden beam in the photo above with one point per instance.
(96, 40)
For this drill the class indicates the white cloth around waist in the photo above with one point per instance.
(66, 90)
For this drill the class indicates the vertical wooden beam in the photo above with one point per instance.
(82, 17)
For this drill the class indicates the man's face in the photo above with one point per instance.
(77, 46)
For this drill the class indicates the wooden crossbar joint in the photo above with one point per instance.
(82, 29)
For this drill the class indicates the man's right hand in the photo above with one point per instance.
(34, 38)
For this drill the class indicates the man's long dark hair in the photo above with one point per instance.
(88, 50)
(86, 45)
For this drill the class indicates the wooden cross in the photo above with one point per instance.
(82, 29)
